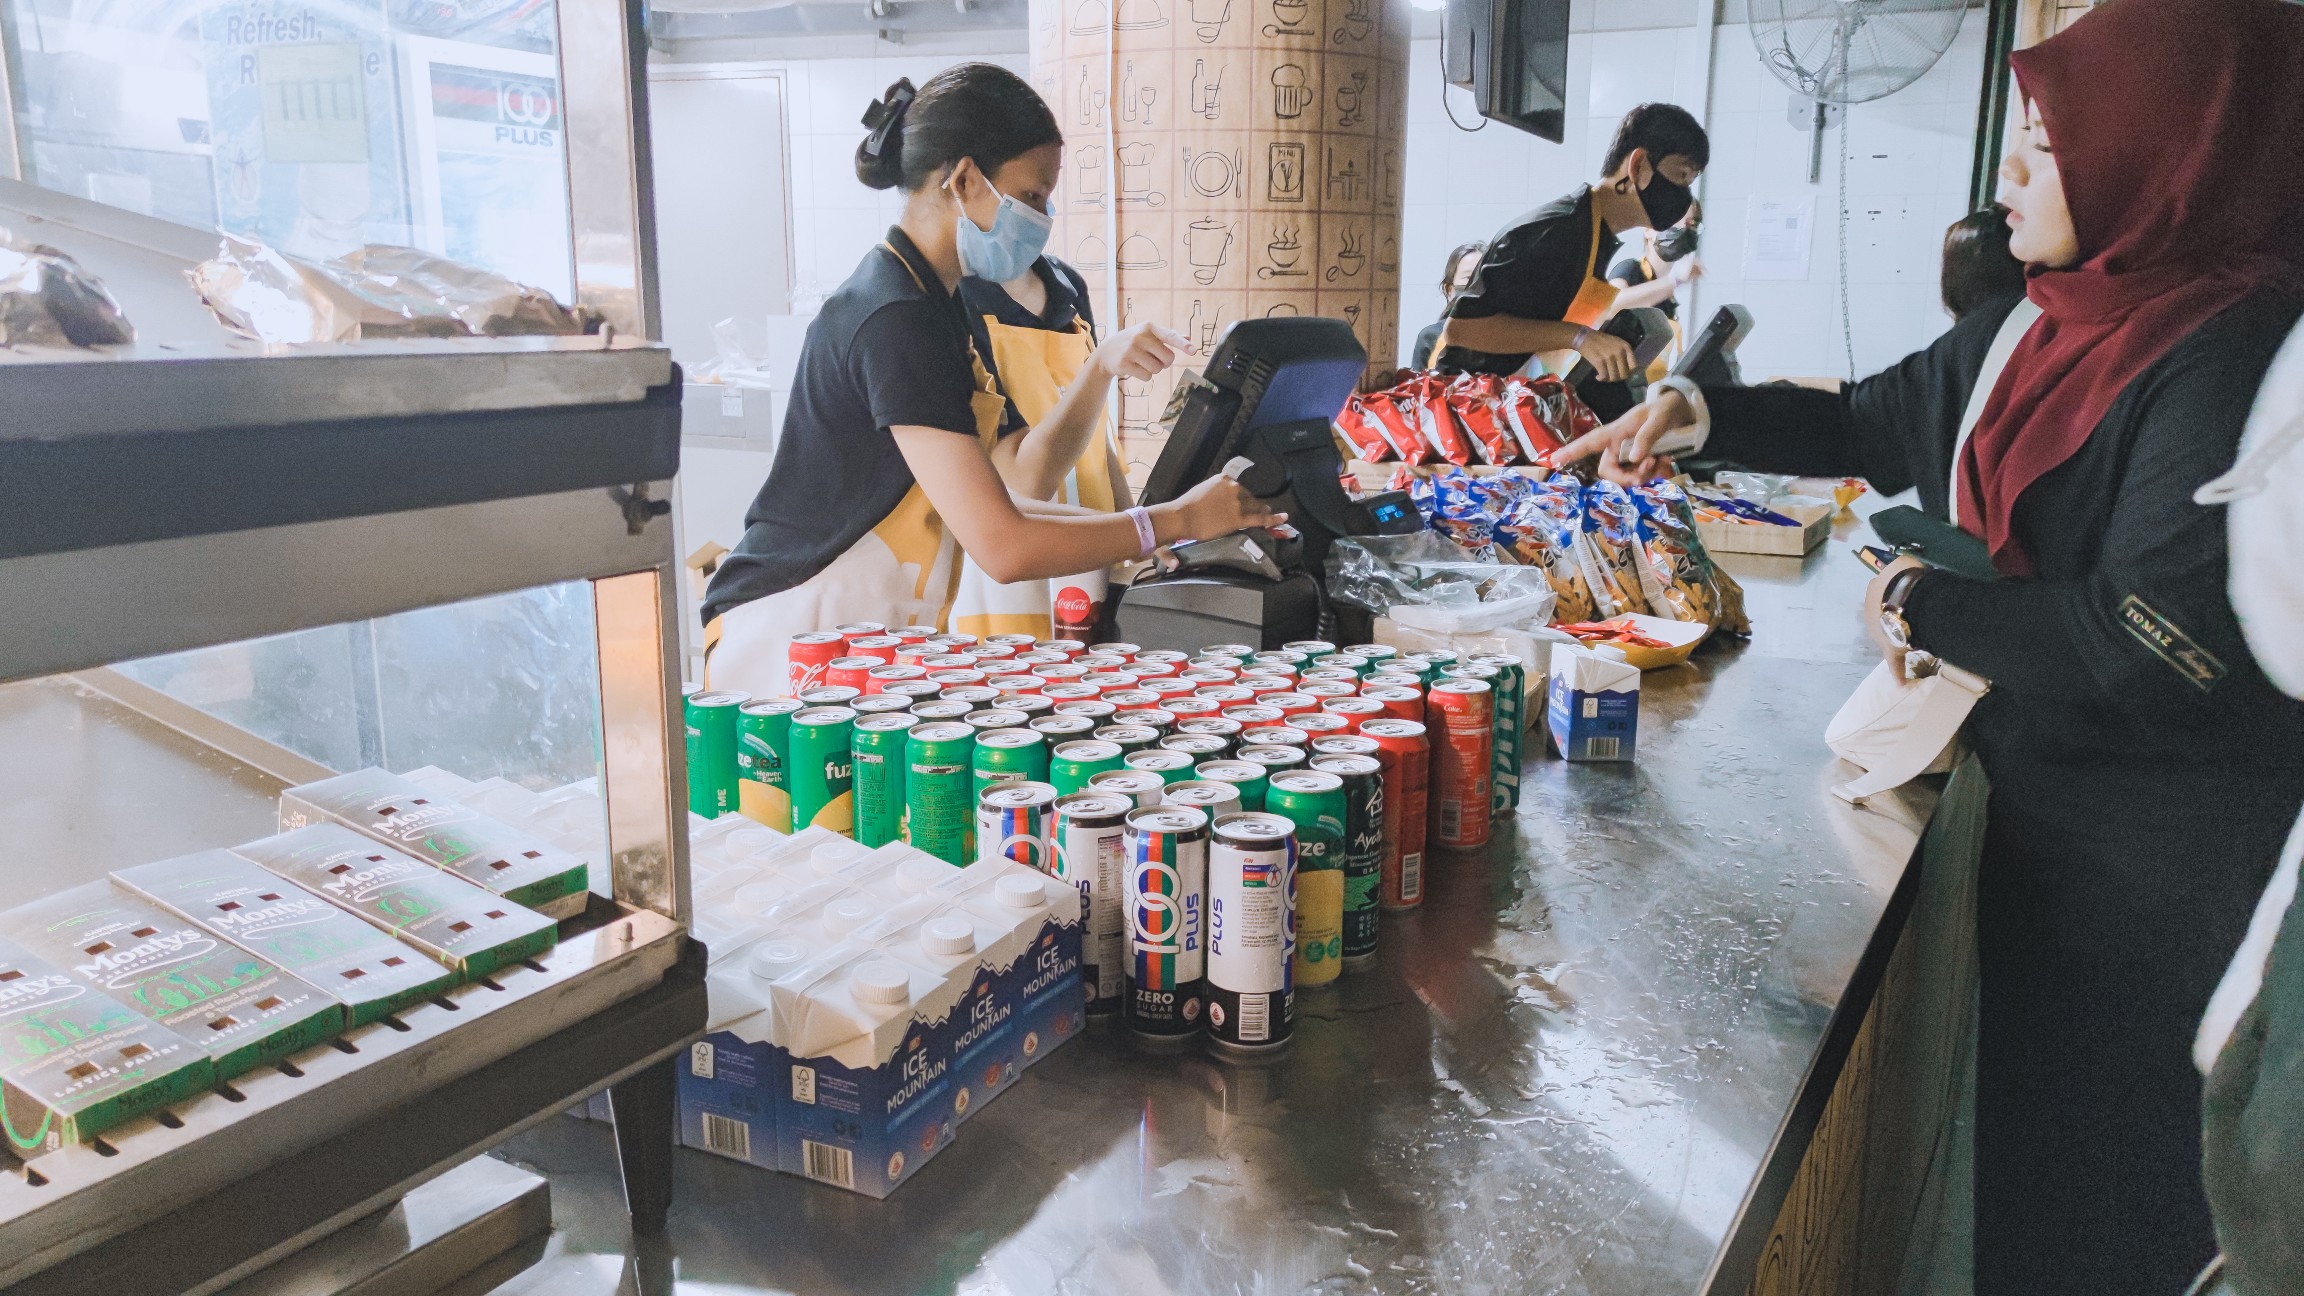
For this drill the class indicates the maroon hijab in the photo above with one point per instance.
(2178, 129)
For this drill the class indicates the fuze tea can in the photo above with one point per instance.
(1510, 683)
(939, 804)
(1313, 801)
(763, 755)
(1407, 757)
(823, 770)
(1017, 821)
(1009, 756)
(1072, 764)
(881, 744)
(1251, 933)
(1463, 755)
(1247, 776)
(1362, 782)
(1208, 796)
(1172, 766)
(1165, 900)
(1092, 854)
(711, 724)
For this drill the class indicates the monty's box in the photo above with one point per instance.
(75, 1062)
(367, 971)
(454, 922)
(1593, 707)
(238, 1008)
(519, 866)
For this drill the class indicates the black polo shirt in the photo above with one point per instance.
(1067, 301)
(1532, 270)
(889, 349)
(1634, 271)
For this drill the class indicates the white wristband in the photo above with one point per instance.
(1577, 343)
(1691, 439)
(1145, 541)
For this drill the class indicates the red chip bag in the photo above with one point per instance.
(1401, 479)
(1438, 423)
(1398, 426)
(1530, 422)
(1359, 430)
(1474, 398)
(1579, 416)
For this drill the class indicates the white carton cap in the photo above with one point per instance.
(772, 959)
(756, 897)
(881, 982)
(1020, 891)
(847, 913)
(920, 872)
(949, 935)
(832, 856)
(748, 841)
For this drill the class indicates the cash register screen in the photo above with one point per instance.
(1264, 372)
(1307, 390)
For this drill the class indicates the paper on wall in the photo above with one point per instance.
(1778, 233)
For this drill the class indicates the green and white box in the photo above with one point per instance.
(454, 922)
(75, 1062)
(519, 866)
(239, 1008)
(366, 970)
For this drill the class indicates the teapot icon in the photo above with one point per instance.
(1207, 244)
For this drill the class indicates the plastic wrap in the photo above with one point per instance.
(1380, 573)
(371, 292)
(46, 299)
(740, 355)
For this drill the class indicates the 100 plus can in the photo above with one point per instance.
(1072, 764)
(1091, 855)
(1017, 821)
(1463, 754)
(939, 807)
(1141, 786)
(1164, 902)
(879, 744)
(1314, 802)
(1511, 692)
(711, 725)
(763, 753)
(1251, 933)
(807, 657)
(1009, 756)
(1407, 757)
(823, 770)
(1362, 782)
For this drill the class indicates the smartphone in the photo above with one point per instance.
(1874, 557)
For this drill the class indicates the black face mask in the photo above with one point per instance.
(1675, 243)
(1665, 201)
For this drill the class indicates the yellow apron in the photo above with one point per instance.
(904, 571)
(1035, 366)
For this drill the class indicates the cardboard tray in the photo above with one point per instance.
(1761, 538)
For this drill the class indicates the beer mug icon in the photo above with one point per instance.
(1291, 91)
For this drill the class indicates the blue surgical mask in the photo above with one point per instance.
(1008, 249)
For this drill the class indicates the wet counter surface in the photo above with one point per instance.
(1563, 1075)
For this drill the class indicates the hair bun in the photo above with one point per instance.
(880, 158)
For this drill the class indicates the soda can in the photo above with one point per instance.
(1094, 708)
(1039, 656)
(1362, 778)
(763, 760)
(1438, 659)
(1184, 708)
(1251, 933)
(1309, 648)
(1342, 660)
(1511, 685)
(808, 655)
(1407, 757)
(939, 805)
(936, 710)
(1239, 650)
(851, 672)
(859, 629)
(1254, 713)
(1131, 738)
(1355, 709)
(1168, 688)
(1062, 728)
(1318, 723)
(991, 718)
(1161, 656)
(1014, 685)
(1091, 854)
(1208, 796)
(911, 690)
(1399, 703)
(1463, 722)
(1092, 662)
(881, 746)
(1259, 685)
(1009, 756)
(952, 641)
(711, 725)
(831, 695)
(1013, 642)
(1274, 735)
(1499, 799)
(1150, 717)
(1148, 671)
(877, 680)
(1273, 757)
(1207, 674)
(1017, 821)
(1277, 657)
(1068, 647)
(1196, 747)
(1165, 900)
(916, 653)
(989, 656)
(1172, 766)
(1031, 704)
(1062, 672)
(1291, 704)
(1141, 786)
(952, 677)
(882, 646)
(1329, 690)
(977, 696)
(1348, 744)
(822, 772)
(913, 634)
(1247, 776)
(1313, 801)
(1072, 764)
(1130, 699)
(1223, 727)
(1106, 683)
(1063, 693)
(1225, 694)
(1372, 653)
(1116, 648)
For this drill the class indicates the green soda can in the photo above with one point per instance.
(1362, 777)
(938, 712)
(1431, 662)
(822, 773)
(939, 791)
(711, 735)
(1129, 737)
(1248, 776)
(1072, 764)
(880, 745)
(1008, 756)
(1311, 648)
(1171, 766)
(878, 703)
(1273, 757)
(1511, 693)
(1314, 801)
(1063, 728)
(764, 760)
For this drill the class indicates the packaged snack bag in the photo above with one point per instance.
(1541, 532)
(1359, 429)
(1608, 546)
(1475, 399)
(1675, 572)
(1397, 425)
(1463, 513)
(1436, 423)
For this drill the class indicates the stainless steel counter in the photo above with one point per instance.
(1564, 1075)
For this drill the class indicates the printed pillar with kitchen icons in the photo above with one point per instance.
(1227, 159)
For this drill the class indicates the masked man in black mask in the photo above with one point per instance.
(1542, 288)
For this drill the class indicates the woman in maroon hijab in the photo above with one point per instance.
(2144, 772)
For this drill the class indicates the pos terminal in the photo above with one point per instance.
(1269, 396)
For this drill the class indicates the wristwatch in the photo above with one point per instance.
(1917, 662)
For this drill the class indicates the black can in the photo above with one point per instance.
(1363, 848)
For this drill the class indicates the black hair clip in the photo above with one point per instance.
(885, 117)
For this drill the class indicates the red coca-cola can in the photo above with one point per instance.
(1060, 672)
(1462, 716)
(1168, 655)
(1250, 714)
(913, 634)
(1225, 694)
(986, 653)
(1017, 683)
(952, 641)
(1069, 691)
(1100, 661)
(1274, 735)
(1208, 674)
(1068, 647)
(957, 676)
(1407, 757)
(1019, 642)
(1182, 707)
(885, 674)
(1317, 723)
(1169, 686)
(1326, 689)
(1115, 648)
(882, 646)
(808, 655)
(1031, 657)
(917, 653)
(1132, 697)
(1292, 703)
(1111, 681)
(851, 672)
(1145, 670)
(937, 661)
(1355, 710)
(1261, 684)
(852, 631)
(1404, 703)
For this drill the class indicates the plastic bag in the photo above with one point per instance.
(1380, 573)
(46, 299)
(370, 292)
(740, 356)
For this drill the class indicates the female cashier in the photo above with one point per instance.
(884, 474)
(1541, 286)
